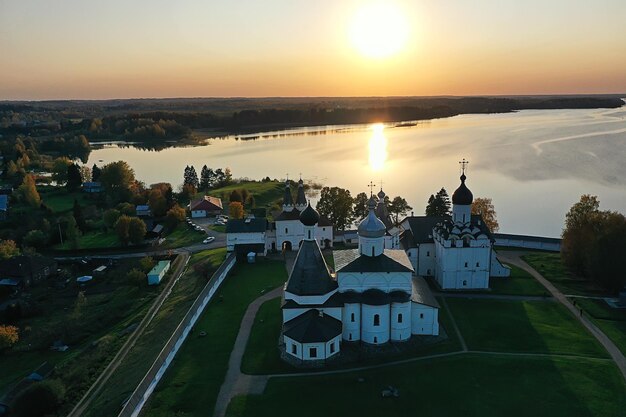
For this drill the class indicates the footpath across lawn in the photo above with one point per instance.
(466, 385)
(611, 321)
(191, 384)
(522, 326)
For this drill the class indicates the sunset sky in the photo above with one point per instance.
(199, 48)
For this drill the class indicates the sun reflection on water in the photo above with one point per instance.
(377, 148)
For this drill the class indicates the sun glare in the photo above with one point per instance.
(379, 30)
(377, 148)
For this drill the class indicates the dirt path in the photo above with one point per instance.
(617, 356)
(236, 382)
(97, 386)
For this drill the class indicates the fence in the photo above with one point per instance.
(528, 242)
(135, 403)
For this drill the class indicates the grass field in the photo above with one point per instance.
(192, 382)
(519, 283)
(94, 240)
(266, 194)
(550, 266)
(60, 200)
(610, 320)
(467, 385)
(148, 346)
(183, 235)
(522, 326)
(94, 329)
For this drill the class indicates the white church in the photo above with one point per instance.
(378, 293)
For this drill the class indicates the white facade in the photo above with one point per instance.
(198, 213)
(312, 351)
(233, 239)
(289, 234)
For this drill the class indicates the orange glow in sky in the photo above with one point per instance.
(196, 48)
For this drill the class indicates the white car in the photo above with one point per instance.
(208, 239)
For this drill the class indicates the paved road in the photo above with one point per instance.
(97, 386)
(514, 258)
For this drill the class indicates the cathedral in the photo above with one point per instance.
(377, 292)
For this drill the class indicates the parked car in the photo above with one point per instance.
(208, 239)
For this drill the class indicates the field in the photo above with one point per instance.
(183, 235)
(610, 320)
(466, 385)
(519, 283)
(192, 382)
(94, 325)
(550, 266)
(266, 194)
(148, 346)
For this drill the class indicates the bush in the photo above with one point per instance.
(39, 399)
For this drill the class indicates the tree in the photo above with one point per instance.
(336, 204)
(398, 207)
(207, 178)
(110, 217)
(191, 177)
(146, 264)
(8, 249)
(235, 195)
(219, 177)
(228, 176)
(59, 169)
(117, 178)
(578, 231)
(36, 239)
(187, 192)
(136, 230)
(135, 277)
(121, 228)
(95, 173)
(9, 336)
(39, 399)
(235, 210)
(174, 216)
(74, 177)
(360, 206)
(77, 211)
(250, 201)
(72, 232)
(484, 207)
(27, 192)
(439, 204)
(157, 202)
(605, 262)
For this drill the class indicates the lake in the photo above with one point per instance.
(534, 164)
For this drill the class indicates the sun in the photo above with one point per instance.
(379, 30)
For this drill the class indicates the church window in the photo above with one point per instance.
(400, 318)
(313, 352)
(352, 317)
(466, 264)
(421, 315)
(372, 251)
(428, 272)
(294, 349)
(427, 253)
(286, 230)
(350, 336)
(375, 339)
(332, 347)
(376, 320)
(477, 264)
(309, 234)
(464, 282)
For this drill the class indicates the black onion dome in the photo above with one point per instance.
(462, 195)
(309, 216)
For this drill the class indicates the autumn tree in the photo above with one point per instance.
(136, 230)
(336, 204)
(110, 217)
(59, 169)
(146, 264)
(157, 202)
(578, 232)
(484, 207)
(438, 204)
(121, 228)
(9, 336)
(27, 192)
(398, 207)
(8, 249)
(235, 210)
(235, 195)
(174, 216)
(360, 206)
(117, 178)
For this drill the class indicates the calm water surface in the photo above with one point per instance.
(534, 164)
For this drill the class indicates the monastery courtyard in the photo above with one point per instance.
(519, 348)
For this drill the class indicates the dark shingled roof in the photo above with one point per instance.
(246, 225)
(392, 260)
(310, 274)
(311, 327)
(287, 199)
(288, 215)
(422, 228)
(375, 297)
(422, 294)
(462, 195)
(335, 300)
(300, 198)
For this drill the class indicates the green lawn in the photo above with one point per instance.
(610, 320)
(522, 326)
(550, 266)
(94, 240)
(192, 382)
(265, 193)
(466, 385)
(183, 235)
(140, 358)
(218, 228)
(60, 199)
(519, 283)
